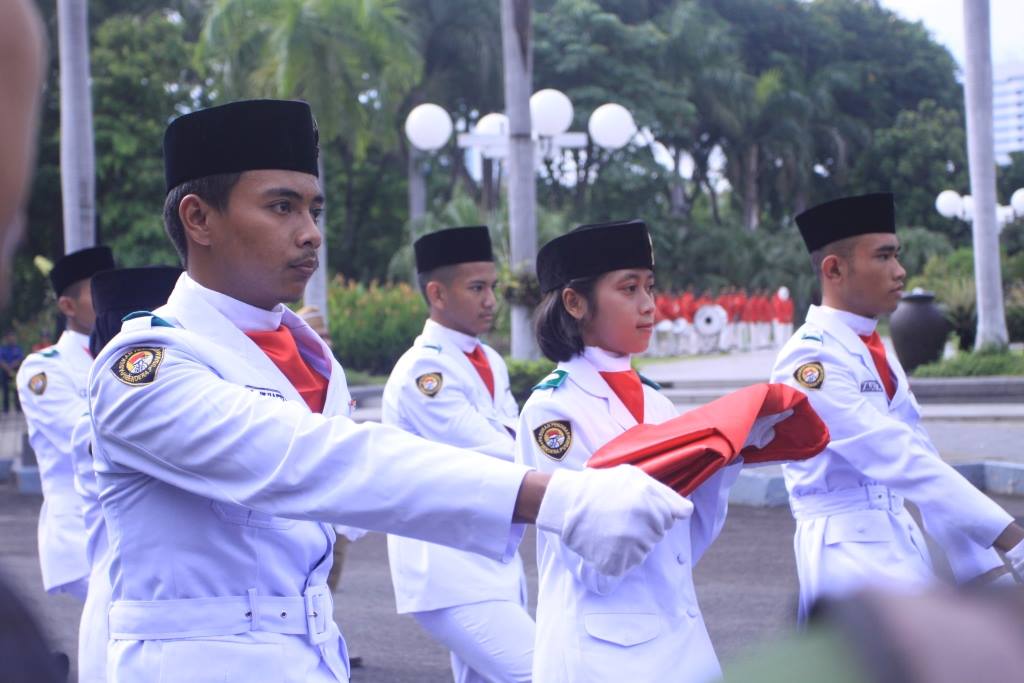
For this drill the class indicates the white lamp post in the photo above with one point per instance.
(429, 127)
(952, 205)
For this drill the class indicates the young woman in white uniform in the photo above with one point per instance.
(645, 625)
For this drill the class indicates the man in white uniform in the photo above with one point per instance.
(224, 453)
(52, 388)
(453, 389)
(852, 528)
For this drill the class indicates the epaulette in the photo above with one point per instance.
(552, 381)
(436, 347)
(649, 382)
(154, 320)
(49, 352)
(812, 335)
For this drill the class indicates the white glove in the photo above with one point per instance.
(612, 518)
(1015, 556)
(763, 431)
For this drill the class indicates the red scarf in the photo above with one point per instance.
(877, 349)
(627, 386)
(280, 347)
(483, 367)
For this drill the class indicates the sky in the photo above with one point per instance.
(944, 18)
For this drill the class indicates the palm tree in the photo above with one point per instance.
(77, 156)
(348, 58)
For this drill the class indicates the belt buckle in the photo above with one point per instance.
(317, 603)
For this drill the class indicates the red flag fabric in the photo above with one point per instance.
(685, 451)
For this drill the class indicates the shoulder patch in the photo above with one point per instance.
(554, 438)
(138, 366)
(649, 382)
(430, 383)
(810, 375)
(49, 353)
(37, 383)
(552, 381)
(435, 347)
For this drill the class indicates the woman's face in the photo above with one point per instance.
(624, 317)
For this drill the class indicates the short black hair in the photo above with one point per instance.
(558, 333)
(442, 274)
(213, 189)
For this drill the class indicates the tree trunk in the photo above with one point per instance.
(77, 157)
(316, 288)
(751, 207)
(980, 151)
(677, 189)
(517, 52)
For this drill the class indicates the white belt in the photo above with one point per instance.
(870, 497)
(310, 614)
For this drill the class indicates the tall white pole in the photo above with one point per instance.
(77, 157)
(316, 288)
(981, 156)
(517, 50)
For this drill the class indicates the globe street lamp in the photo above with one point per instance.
(428, 127)
(951, 204)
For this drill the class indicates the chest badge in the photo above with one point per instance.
(554, 438)
(810, 375)
(138, 366)
(430, 383)
(37, 383)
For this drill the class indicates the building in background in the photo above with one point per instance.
(1008, 111)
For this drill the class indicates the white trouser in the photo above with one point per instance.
(851, 538)
(490, 642)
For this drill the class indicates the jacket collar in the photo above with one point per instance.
(206, 313)
(435, 332)
(587, 377)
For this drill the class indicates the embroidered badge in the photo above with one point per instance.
(265, 391)
(430, 383)
(554, 438)
(870, 386)
(37, 383)
(810, 375)
(138, 366)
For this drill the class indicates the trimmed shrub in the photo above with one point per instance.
(979, 364)
(372, 325)
(523, 375)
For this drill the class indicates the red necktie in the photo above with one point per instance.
(626, 385)
(483, 367)
(877, 349)
(280, 347)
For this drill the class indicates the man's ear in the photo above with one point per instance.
(436, 294)
(833, 268)
(575, 303)
(66, 305)
(194, 213)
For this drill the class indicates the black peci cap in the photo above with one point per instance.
(847, 217)
(79, 265)
(116, 293)
(594, 249)
(451, 246)
(241, 136)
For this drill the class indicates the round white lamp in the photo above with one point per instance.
(492, 124)
(428, 127)
(551, 112)
(949, 204)
(1017, 202)
(611, 126)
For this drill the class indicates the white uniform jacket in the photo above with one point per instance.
(92, 630)
(52, 389)
(219, 486)
(645, 625)
(852, 528)
(458, 410)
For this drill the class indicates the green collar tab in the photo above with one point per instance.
(552, 381)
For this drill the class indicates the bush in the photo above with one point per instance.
(523, 375)
(981, 364)
(372, 325)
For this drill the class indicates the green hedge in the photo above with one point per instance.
(974, 365)
(372, 325)
(523, 375)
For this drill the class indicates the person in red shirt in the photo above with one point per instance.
(782, 316)
(742, 325)
(725, 300)
(665, 313)
(683, 326)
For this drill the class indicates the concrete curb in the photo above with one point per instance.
(765, 487)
